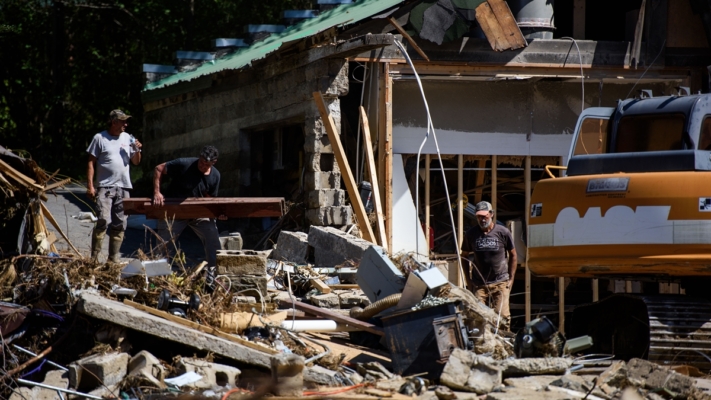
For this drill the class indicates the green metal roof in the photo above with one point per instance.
(342, 15)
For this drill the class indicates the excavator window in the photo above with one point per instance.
(705, 135)
(593, 137)
(657, 132)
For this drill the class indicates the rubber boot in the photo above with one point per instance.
(115, 240)
(97, 242)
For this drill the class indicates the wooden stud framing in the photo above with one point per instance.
(460, 200)
(370, 162)
(527, 211)
(385, 148)
(346, 173)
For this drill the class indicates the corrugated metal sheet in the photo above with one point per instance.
(339, 16)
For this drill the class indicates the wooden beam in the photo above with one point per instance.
(206, 207)
(346, 173)
(385, 147)
(579, 19)
(48, 215)
(408, 38)
(527, 213)
(460, 200)
(561, 305)
(508, 24)
(340, 318)
(322, 287)
(370, 162)
(18, 176)
(494, 182)
(428, 161)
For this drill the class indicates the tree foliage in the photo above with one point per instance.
(66, 64)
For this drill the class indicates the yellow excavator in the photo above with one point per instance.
(635, 204)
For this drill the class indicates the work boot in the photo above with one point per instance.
(97, 241)
(115, 240)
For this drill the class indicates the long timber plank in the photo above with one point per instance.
(207, 207)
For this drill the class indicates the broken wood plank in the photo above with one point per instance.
(344, 286)
(487, 20)
(341, 319)
(201, 328)
(353, 193)
(352, 352)
(57, 184)
(50, 217)
(207, 207)
(18, 176)
(370, 162)
(508, 24)
(408, 38)
(318, 284)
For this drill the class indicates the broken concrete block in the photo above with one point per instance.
(249, 285)
(213, 374)
(377, 276)
(287, 375)
(334, 247)
(100, 369)
(350, 298)
(320, 376)
(652, 376)
(107, 392)
(292, 247)
(245, 262)
(573, 382)
(615, 375)
(329, 300)
(520, 393)
(54, 378)
(468, 372)
(326, 197)
(539, 382)
(146, 366)
(534, 366)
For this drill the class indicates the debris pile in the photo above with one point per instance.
(322, 314)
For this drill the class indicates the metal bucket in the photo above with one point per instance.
(534, 17)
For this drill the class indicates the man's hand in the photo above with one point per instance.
(91, 193)
(158, 199)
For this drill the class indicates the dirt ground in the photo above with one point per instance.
(70, 202)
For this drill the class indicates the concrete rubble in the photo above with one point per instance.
(349, 336)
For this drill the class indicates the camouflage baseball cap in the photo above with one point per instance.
(483, 208)
(118, 114)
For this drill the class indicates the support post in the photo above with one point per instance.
(460, 200)
(480, 177)
(370, 162)
(579, 19)
(561, 305)
(385, 148)
(527, 185)
(494, 181)
(340, 154)
(428, 160)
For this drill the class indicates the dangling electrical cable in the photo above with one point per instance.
(430, 128)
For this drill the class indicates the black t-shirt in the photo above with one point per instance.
(186, 180)
(489, 253)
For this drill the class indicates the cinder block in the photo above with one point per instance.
(334, 247)
(233, 241)
(322, 180)
(90, 372)
(213, 374)
(249, 285)
(148, 367)
(292, 247)
(350, 298)
(330, 216)
(245, 262)
(326, 198)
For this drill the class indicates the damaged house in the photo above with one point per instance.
(504, 83)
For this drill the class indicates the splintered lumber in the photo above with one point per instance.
(99, 307)
(324, 313)
(50, 217)
(370, 161)
(206, 207)
(19, 177)
(353, 194)
(57, 184)
(408, 38)
(322, 287)
(499, 25)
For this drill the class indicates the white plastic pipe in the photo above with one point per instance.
(315, 325)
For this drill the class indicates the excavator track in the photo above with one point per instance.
(666, 329)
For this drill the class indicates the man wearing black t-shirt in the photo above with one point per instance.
(494, 261)
(190, 177)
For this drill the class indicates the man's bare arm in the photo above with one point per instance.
(158, 198)
(513, 263)
(90, 190)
